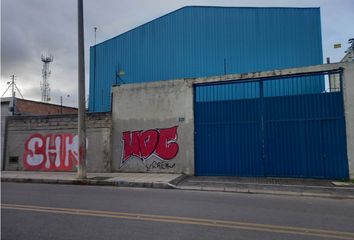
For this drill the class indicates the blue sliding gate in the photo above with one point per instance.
(278, 127)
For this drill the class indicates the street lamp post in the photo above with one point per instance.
(61, 103)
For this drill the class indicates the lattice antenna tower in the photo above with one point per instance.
(45, 87)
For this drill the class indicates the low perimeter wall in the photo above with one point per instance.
(50, 143)
(153, 127)
(153, 123)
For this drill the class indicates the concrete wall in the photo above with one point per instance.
(5, 105)
(348, 94)
(24, 107)
(138, 109)
(153, 127)
(48, 143)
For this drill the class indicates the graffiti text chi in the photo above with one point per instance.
(51, 152)
(143, 144)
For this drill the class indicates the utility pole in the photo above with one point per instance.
(81, 170)
(95, 29)
(13, 94)
(61, 104)
(12, 85)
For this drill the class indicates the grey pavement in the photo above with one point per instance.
(151, 180)
(278, 186)
(275, 186)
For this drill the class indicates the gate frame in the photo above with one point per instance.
(347, 88)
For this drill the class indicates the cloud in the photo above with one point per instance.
(29, 28)
(42, 26)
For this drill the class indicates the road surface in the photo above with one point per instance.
(48, 211)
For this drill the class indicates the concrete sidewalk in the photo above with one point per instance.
(150, 180)
(277, 186)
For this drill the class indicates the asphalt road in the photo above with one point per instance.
(41, 211)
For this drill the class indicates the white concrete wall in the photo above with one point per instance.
(348, 94)
(23, 129)
(153, 107)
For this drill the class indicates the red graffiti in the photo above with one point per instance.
(144, 144)
(51, 152)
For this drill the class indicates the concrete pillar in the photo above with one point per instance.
(348, 94)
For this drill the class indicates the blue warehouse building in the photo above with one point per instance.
(202, 41)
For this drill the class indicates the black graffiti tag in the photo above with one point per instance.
(161, 165)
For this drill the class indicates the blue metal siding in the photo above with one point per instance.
(305, 136)
(221, 126)
(259, 134)
(197, 41)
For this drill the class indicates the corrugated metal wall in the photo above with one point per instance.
(284, 133)
(227, 137)
(206, 41)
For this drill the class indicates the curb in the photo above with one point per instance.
(91, 182)
(56, 181)
(173, 184)
(327, 193)
(303, 191)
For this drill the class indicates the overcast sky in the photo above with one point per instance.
(32, 27)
